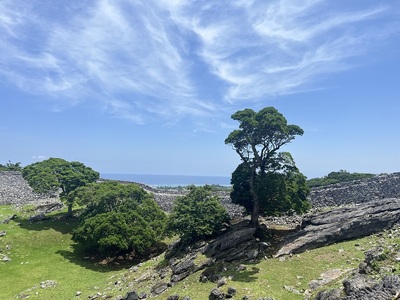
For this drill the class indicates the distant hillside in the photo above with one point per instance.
(337, 177)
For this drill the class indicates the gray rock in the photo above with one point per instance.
(158, 288)
(223, 281)
(8, 219)
(216, 294)
(3, 233)
(357, 283)
(340, 224)
(132, 296)
(48, 284)
(173, 297)
(328, 295)
(231, 291)
(5, 258)
(39, 217)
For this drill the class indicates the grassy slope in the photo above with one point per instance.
(44, 251)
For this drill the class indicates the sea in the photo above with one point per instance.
(170, 180)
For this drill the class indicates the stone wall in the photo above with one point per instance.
(358, 191)
(15, 190)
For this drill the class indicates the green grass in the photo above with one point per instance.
(44, 251)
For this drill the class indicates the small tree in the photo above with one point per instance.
(257, 142)
(196, 215)
(50, 175)
(118, 218)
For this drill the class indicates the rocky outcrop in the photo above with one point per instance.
(343, 223)
(361, 286)
(238, 243)
(358, 191)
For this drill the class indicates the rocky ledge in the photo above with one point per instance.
(341, 224)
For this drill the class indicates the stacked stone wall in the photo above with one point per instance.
(358, 191)
(15, 190)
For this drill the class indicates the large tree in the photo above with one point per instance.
(53, 174)
(257, 141)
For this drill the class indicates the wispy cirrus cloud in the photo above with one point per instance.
(277, 47)
(150, 59)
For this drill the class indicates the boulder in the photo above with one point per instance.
(158, 288)
(132, 296)
(8, 219)
(216, 294)
(324, 228)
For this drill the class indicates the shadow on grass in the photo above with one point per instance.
(246, 275)
(77, 255)
(58, 222)
(94, 262)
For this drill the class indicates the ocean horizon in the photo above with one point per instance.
(169, 180)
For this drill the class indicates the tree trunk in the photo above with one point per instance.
(69, 214)
(256, 202)
(256, 211)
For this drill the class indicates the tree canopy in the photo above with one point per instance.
(197, 215)
(118, 218)
(279, 192)
(9, 166)
(257, 141)
(53, 174)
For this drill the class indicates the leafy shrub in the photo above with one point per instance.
(197, 214)
(118, 218)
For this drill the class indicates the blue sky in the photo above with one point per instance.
(148, 87)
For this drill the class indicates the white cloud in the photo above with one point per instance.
(139, 59)
(272, 48)
(39, 157)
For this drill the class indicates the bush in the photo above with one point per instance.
(197, 214)
(112, 233)
(118, 218)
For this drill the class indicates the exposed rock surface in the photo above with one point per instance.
(343, 223)
(361, 286)
(238, 243)
(357, 191)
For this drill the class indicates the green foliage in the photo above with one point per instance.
(55, 173)
(337, 177)
(279, 192)
(196, 215)
(11, 167)
(257, 141)
(112, 233)
(118, 218)
(50, 175)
